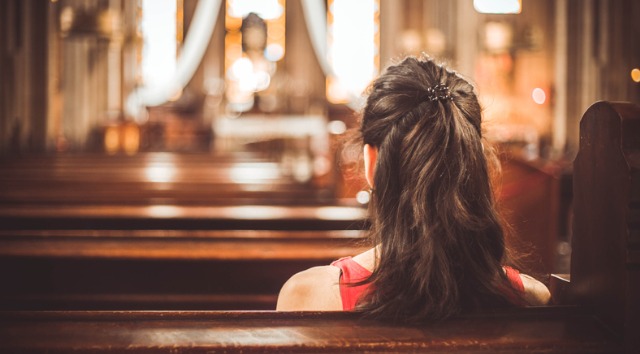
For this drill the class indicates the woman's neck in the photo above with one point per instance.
(368, 259)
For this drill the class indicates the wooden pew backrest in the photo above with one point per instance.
(605, 265)
(534, 330)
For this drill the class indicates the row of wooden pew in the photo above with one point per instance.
(92, 255)
(162, 231)
(155, 178)
(159, 269)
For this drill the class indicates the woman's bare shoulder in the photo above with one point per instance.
(535, 293)
(314, 289)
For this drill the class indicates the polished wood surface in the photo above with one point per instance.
(159, 269)
(212, 245)
(91, 232)
(177, 217)
(154, 178)
(535, 330)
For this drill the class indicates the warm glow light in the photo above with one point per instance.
(363, 197)
(353, 47)
(336, 127)
(266, 9)
(111, 139)
(321, 166)
(247, 173)
(635, 75)
(255, 212)
(164, 211)
(161, 173)
(262, 79)
(340, 213)
(130, 139)
(248, 78)
(274, 52)
(498, 36)
(159, 33)
(241, 68)
(498, 6)
(191, 54)
(538, 95)
(250, 72)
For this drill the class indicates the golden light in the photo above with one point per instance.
(111, 139)
(336, 127)
(160, 173)
(130, 138)
(498, 36)
(164, 211)
(160, 45)
(538, 95)
(340, 213)
(274, 52)
(363, 197)
(241, 68)
(266, 9)
(248, 72)
(498, 6)
(353, 47)
(635, 75)
(250, 173)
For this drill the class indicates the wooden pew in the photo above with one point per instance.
(159, 269)
(114, 250)
(539, 330)
(605, 262)
(177, 217)
(598, 314)
(529, 198)
(154, 178)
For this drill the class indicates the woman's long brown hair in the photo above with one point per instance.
(432, 211)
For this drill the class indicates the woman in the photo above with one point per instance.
(439, 241)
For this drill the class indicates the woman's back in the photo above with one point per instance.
(439, 240)
(326, 289)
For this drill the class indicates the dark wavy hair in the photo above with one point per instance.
(442, 241)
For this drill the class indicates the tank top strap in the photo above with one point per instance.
(516, 284)
(514, 278)
(351, 272)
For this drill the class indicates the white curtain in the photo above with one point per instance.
(195, 45)
(197, 40)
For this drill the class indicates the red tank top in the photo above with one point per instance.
(352, 272)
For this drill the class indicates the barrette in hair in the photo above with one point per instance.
(438, 92)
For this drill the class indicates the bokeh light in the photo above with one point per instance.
(635, 75)
(538, 95)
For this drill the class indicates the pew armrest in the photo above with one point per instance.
(559, 288)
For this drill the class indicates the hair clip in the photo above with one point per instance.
(438, 92)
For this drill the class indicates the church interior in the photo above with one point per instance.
(187, 157)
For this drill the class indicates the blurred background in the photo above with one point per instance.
(118, 76)
(173, 103)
